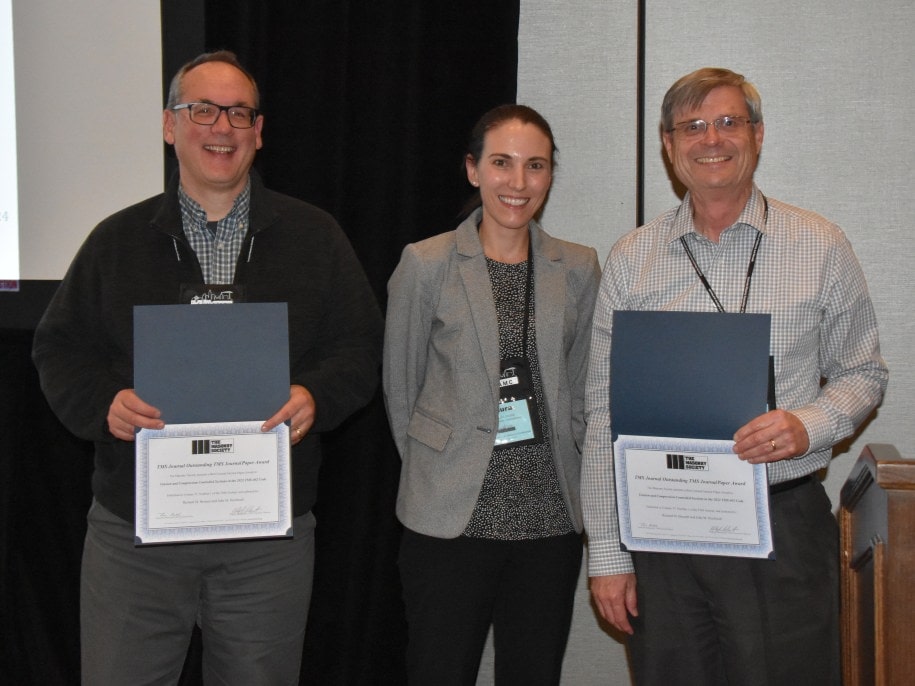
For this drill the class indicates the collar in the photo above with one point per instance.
(168, 216)
(467, 237)
(752, 215)
(194, 217)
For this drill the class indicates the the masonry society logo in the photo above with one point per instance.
(208, 446)
(688, 462)
(211, 297)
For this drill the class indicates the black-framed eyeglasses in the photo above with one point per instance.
(207, 113)
(724, 125)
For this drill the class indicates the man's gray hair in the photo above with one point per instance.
(690, 91)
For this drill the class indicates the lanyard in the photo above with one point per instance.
(750, 267)
(527, 296)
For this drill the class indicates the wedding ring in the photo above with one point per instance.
(772, 443)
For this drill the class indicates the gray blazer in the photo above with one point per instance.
(441, 369)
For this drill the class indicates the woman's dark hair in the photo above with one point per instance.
(498, 116)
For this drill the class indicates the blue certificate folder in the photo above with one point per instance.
(687, 374)
(212, 363)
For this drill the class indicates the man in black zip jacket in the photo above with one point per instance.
(216, 225)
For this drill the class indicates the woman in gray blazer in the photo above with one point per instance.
(486, 344)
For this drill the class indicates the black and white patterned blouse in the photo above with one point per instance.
(520, 498)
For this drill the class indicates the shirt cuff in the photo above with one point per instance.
(819, 427)
(605, 558)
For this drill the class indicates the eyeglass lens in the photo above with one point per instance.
(723, 125)
(207, 113)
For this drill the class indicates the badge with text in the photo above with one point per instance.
(519, 418)
(211, 293)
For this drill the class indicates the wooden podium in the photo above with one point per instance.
(877, 522)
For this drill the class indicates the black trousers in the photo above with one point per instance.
(454, 589)
(724, 620)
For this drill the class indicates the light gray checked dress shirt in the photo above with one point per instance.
(823, 327)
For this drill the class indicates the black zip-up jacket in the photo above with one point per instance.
(293, 252)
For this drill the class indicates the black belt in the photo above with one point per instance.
(789, 485)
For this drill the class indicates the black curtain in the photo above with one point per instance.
(367, 105)
(44, 496)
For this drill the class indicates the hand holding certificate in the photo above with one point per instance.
(682, 383)
(216, 373)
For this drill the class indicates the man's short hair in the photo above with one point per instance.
(227, 56)
(690, 91)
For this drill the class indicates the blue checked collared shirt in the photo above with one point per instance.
(217, 252)
(823, 327)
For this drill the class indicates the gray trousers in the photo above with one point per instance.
(730, 621)
(139, 606)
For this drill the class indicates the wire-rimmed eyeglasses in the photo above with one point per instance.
(724, 125)
(207, 113)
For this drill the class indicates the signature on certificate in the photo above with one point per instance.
(729, 529)
(653, 526)
(172, 515)
(246, 510)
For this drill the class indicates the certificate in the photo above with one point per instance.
(216, 374)
(203, 482)
(690, 496)
(681, 384)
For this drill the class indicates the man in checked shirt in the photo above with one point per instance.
(703, 619)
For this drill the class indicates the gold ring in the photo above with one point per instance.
(298, 432)
(772, 443)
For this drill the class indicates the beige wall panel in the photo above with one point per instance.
(576, 66)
